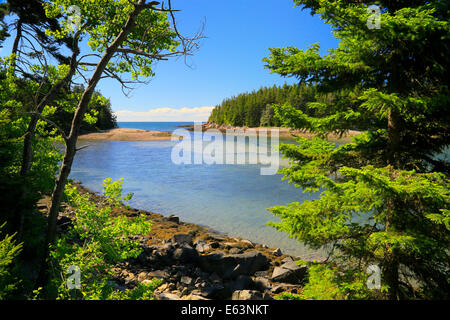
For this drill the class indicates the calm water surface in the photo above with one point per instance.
(231, 199)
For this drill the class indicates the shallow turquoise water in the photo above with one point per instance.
(231, 199)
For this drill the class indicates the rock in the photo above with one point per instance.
(264, 274)
(167, 296)
(232, 266)
(287, 259)
(277, 252)
(214, 245)
(201, 246)
(235, 251)
(162, 287)
(186, 280)
(277, 289)
(174, 218)
(243, 282)
(160, 274)
(64, 223)
(215, 278)
(289, 272)
(130, 279)
(215, 291)
(182, 239)
(185, 254)
(184, 291)
(248, 242)
(142, 276)
(146, 282)
(230, 245)
(247, 295)
(262, 284)
(194, 297)
(216, 237)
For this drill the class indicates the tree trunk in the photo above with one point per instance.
(27, 155)
(73, 136)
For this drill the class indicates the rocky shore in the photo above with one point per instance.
(283, 132)
(195, 263)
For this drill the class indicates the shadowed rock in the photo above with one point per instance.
(232, 266)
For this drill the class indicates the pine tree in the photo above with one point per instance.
(384, 197)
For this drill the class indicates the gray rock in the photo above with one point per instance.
(216, 237)
(215, 291)
(235, 251)
(242, 282)
(201, 246)
(142, 276)
(194, 297)
(182, 239)
(262, 284)
(214, 245)
(247, 295)
(174, 218)
(167, 296)
(287, 259)
(160, 274)
(232, 266)
(186, 280)
(215, 278)
(277, 252)
(289, 272)
(248, 243)
(185, 254)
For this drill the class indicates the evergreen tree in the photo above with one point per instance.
(384, 197)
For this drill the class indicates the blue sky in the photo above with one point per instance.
(239, 33)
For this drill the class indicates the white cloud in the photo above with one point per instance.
(198, 114)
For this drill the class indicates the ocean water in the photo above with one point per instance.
(230, 199)
(153, 126)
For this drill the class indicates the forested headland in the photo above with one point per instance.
(255, 109)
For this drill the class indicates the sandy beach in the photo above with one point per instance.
(128, 135)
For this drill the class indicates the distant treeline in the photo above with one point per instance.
(103, 117)
(255, 109)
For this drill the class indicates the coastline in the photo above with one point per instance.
(125, 134)
(197, 263)
(283, 132)
(121, 134)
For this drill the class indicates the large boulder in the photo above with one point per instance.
(234, 265)
(289, 272)
(182, 239)
(185, 254)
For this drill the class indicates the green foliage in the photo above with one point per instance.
(9, 251)
(255, 109)
(327, 282)
(384, 197)
(100, 20)
(95, 244)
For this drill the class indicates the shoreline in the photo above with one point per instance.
(195, 262)
(122, 134)
(125, 134)
(283, 132)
